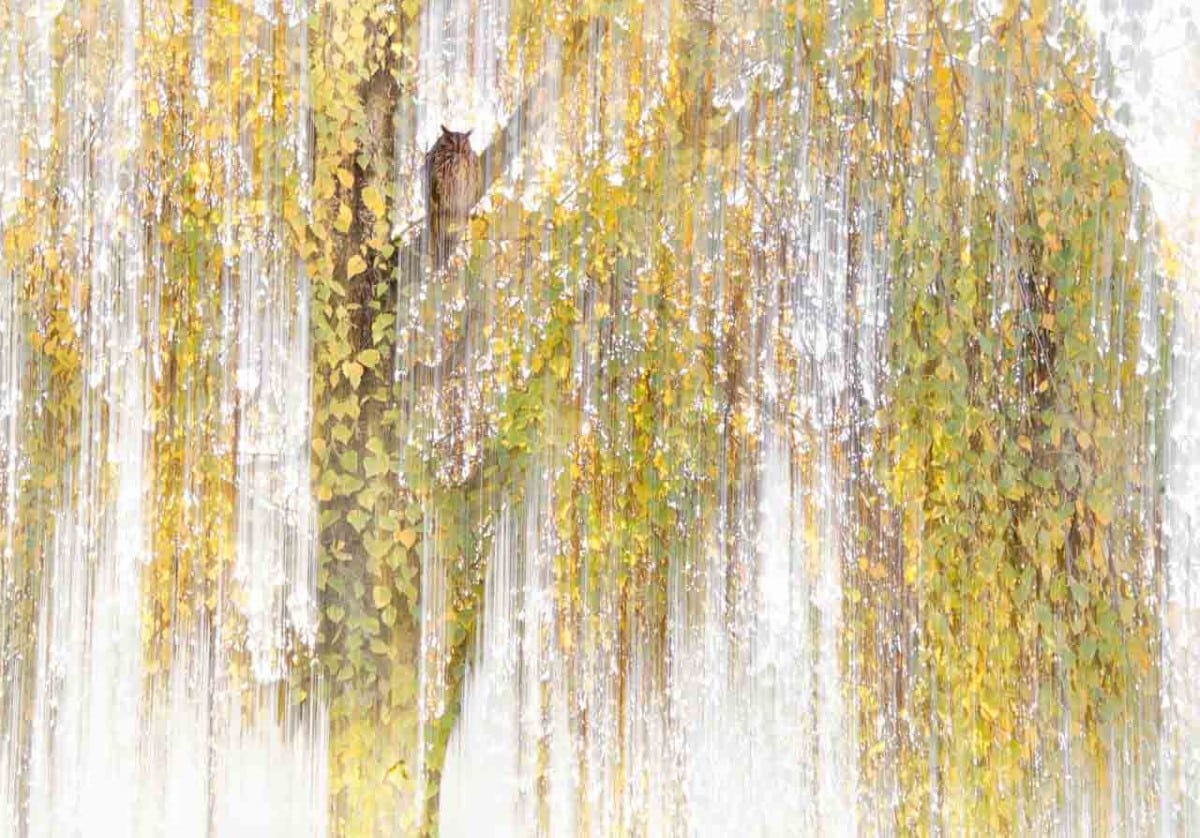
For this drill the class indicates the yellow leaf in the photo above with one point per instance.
(989, 442)
(344, 219)
(373, 201)
(560, 364)
(407, 537)
(1084, 439)
(1101, 504)
(369, 358)
(355, 266)
(353, 371)
(381, 595)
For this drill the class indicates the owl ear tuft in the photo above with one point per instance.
(469, 132)
(446, 130)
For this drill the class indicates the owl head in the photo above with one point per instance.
(460, 141)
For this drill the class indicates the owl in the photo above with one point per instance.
(453, 185)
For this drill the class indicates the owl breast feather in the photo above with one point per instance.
(455, 185)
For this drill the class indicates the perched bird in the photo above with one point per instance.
(453, 185)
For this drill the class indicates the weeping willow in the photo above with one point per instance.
(781, 448)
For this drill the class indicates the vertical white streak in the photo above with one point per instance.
(276, 525)
(1179, 781)
(88, 679)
